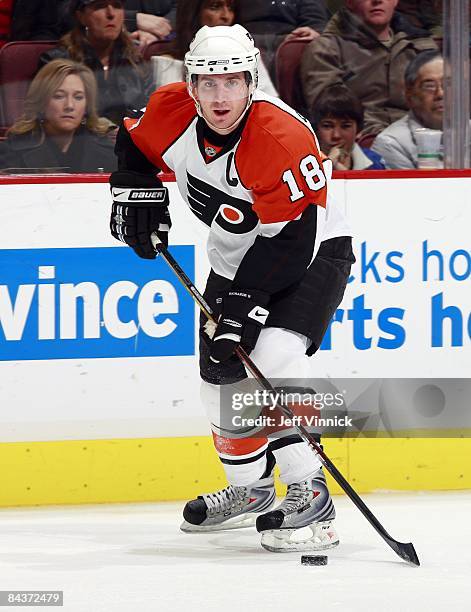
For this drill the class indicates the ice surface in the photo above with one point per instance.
(133, 558)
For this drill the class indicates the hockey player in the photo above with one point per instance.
(249, 167)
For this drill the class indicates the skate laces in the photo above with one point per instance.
(297, 496)
(225, 499)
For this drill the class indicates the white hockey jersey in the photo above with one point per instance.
(264, 196)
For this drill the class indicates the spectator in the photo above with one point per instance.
(303, 18)
(337, 118)
(424, 95)
(147, 20)
(272, 22)
(100, 40)
(426, 14)
(366, 48)
(28, 20)
(191, 16)
(60, 127)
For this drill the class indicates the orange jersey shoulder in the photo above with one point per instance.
(168, 113)
(279, 160)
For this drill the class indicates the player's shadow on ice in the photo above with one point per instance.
(246, 545)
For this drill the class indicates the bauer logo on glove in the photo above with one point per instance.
(140, 207)
(122, 195)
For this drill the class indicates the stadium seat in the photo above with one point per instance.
(287, 69)
(18, 65)
(366, 140)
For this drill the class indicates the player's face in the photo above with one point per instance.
(217, 13)
(66, 107)
(375, 13)
(336, 132)
(425, 98)
(222, 97)
(103, 19)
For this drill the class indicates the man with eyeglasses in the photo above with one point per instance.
(424, 95)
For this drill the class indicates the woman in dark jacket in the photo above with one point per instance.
(147, 20)
(133, 13)
(100, 40)
(59, 128)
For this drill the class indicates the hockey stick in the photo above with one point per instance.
(405, 551)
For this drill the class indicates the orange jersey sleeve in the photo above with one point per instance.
(168, 113)
(279, 160)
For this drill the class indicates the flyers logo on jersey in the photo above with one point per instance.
(211, 204)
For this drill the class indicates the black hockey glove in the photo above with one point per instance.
(140, 207)
(242, 318)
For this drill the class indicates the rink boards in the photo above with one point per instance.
(99, 387)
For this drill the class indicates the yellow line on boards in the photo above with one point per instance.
(162, 469)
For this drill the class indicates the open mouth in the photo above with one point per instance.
(220, 113)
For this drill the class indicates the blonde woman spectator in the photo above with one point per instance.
(60, 127)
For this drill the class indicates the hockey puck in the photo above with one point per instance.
(314, 559)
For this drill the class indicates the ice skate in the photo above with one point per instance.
(230, 508)
(303, 521)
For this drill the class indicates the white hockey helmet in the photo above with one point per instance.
(222, 50)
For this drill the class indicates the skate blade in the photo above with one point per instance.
(315, 539)
(242, 522)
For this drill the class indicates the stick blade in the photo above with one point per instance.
(405, 551)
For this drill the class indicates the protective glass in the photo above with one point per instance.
(220, 87)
